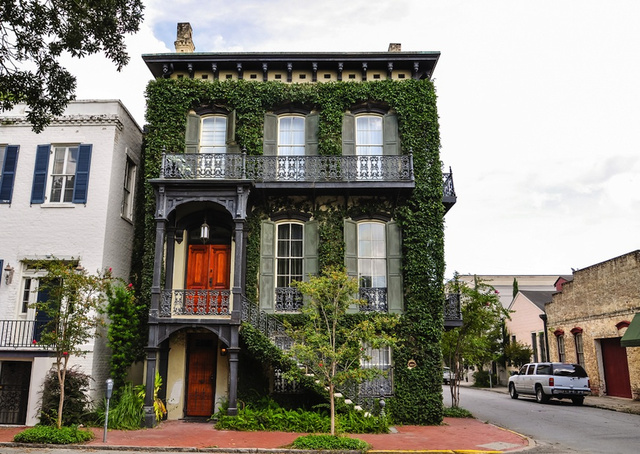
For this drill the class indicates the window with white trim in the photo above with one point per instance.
(369, 135)
(289, 253)
(372, 255)
(129, 187)
(63, 174)
(291, 139)
(376, 358)
(213, 134)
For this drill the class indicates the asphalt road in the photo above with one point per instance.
(557, 427)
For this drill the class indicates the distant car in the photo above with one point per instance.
(447, 376)
(551, 381)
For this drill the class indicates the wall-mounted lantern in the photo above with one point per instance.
(8, 274)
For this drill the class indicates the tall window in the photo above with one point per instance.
(289, 260)
(372, 264)
(63, 174)
(534, 346)
(27, 297)
(213, 134)
(369, 135)
(291, 136)
(129, 185)
(579, 349)
(561, 354)
(543, 347)
(378, 358)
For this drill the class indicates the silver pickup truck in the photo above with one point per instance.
(551, 381)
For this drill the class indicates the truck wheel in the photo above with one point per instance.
(577, 400)
(541, 397)
(512, 391)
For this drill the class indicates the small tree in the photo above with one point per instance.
(74, 306)
(517, 353)
(327, 343)
(478, 340)
(124, 332)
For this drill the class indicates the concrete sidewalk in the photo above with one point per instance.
(456, 434)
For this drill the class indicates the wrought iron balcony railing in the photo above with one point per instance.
(373, 299)
(288, 299)
(234, 166)
(179, 302)
(21, 333)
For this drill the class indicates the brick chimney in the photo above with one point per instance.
(395, 47)
(184, 43)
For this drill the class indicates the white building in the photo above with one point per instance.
(65, 193)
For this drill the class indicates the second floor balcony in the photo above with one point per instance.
(379, 171)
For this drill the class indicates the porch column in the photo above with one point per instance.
(233, 350)
(238, 270)
(157, 268)
(171, 250)
(149, 413)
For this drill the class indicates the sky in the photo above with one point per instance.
(539, 106)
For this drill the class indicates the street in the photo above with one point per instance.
(557, 427)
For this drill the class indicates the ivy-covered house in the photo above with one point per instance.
(265, 168)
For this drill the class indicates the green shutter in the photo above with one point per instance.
(351, 254)
(351, 247)
(390, 135)
(232, 146)
(267, 265)
(394, 268)
(311, 124)
(270, 137)
(348, 135)
(311, 239)
(192, 135)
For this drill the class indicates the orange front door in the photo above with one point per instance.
(207, 273)
(201, 378)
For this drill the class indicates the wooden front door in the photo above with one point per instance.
(201, 376)
(207, 273)
(616, 368)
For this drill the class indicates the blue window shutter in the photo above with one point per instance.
(8, 173)
(82, 174)
(40, 174)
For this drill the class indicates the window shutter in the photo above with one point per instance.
(192, 135)
(270, 137)
(267, 265)
(8, 173)
(40, 174)
(395, 294)
(311, 124)
(390, 134)
(311, 240)
(232, 146)
(351, 247)
(348, 135)
(81, 185)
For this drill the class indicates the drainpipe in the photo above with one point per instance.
(546, 338)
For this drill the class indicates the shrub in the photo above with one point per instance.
(128, 411)
(269, 416)
(53, 435)
(457, 412)
(76, 399)
(481, 378)
(329, 442)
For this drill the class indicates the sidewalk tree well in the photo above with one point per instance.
(330, 346)
(478, 340)
(73, 308)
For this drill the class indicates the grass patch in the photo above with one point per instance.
(53, 435)
(329, 442)
(457, 412)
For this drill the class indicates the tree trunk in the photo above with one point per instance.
(332, 408)
(62, 375)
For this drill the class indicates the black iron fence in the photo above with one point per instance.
(21, 333)
(194, 302)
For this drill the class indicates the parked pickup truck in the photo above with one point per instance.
(551, 381)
